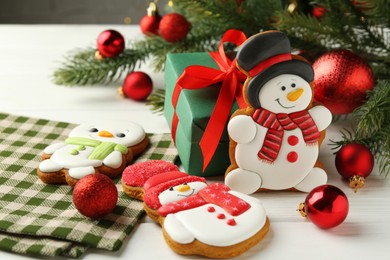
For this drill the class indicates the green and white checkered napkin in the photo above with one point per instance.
(40, 219)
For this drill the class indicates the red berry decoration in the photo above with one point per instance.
(110, 43)
(149, 23)
(95, 195)
(341, 80)
(354, 162)
(137, 86)
(174, 27)
(326, 206)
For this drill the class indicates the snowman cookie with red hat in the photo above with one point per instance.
(275, 141)
(201, 219)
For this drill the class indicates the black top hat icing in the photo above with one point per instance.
(265, 56)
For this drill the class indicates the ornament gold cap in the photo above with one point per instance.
(301, 209)
(152, 9)
(356, 182)
(121, 93)
(99, 56)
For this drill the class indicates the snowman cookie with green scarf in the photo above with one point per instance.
(92, 148)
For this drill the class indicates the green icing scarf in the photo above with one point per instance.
(102, 149)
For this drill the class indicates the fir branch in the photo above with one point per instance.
(215, 17)
(156, 100)
(373, 127)
(375, 113)
(82, 68)
(342, 26)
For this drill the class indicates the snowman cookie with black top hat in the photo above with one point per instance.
(275, 141)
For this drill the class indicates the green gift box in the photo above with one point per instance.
(193, 109)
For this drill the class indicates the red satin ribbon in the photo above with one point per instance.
(197, 77)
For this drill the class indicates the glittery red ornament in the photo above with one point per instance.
(326, 206)
(341, 80)
(95, 195)
(110, 43)
(174, 27)
(149, 23)
(354, 162)
(137, 85)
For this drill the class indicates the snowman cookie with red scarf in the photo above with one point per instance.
(201, 219)
(275, 141)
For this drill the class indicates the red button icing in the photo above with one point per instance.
(292, 140)
(221, 216)
(211, 209)
(292, 157)
(231, 222)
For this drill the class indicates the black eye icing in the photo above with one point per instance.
(293, 85)
(171, 188)
(185, 183)
(93, 130)
(283, 88)
(120, 135)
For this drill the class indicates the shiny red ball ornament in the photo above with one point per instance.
(149, 23)
(354, 162)
(341, 80)
(174, 27)
(318, 11)
(326, 206)
(110, 43)
(137, 86)
(95, 195)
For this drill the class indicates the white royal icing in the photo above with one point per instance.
(134, 133)
(80, 172)
(113, 160)
(49, 166)
(172, 195)
(62, 153)
(281, 173)
(273, 98)
(198, 223)
(53, 147)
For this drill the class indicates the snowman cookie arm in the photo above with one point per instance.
(114, 159)
(242, 129)
(53, 147)
(322, 117)
(177, 231)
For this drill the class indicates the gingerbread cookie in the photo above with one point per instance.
(90, 148)
(275, 141)
(135, 176)
(201, 219)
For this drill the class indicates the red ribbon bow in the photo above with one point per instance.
(197, 77)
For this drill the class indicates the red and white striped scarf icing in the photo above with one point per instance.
(214, 193)
(277, 123)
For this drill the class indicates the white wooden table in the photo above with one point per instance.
(30, 53)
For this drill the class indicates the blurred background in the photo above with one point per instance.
(73, 11)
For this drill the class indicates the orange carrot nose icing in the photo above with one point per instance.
(105, 133)
(294, 95)
(183, 188)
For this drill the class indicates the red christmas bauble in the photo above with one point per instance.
(95, 195)
(149, 23)
(354, 162)
(318, 11)
(137, 85)
(341, 80)
(174, 27)
(326, 206)
(110, 43)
